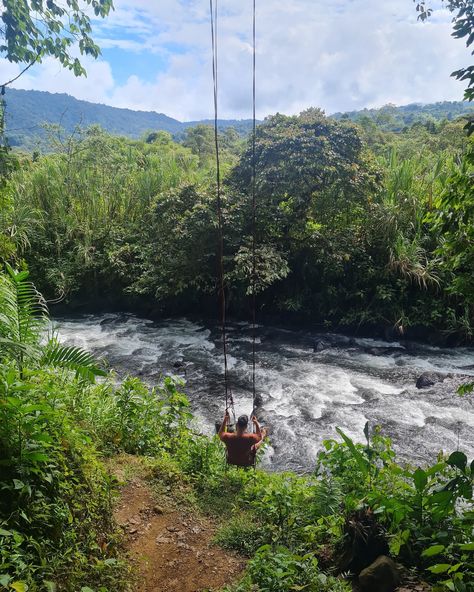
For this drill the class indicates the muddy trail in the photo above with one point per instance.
(168, 545)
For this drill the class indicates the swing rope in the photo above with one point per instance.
(254, 206)
(229, 402)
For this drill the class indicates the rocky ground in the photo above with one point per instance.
(169, 547)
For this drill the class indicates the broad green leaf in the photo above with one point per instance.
(458, 459)
(441, 497)
(19, 586)
(432, 551)
(361, 461)
(435, 469)
(439, 568)
(420, 479)
(467, 547)
(110, 561)
(5, 532)
(37, 457)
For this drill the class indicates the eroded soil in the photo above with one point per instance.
(170, 548)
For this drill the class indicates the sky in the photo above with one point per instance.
(338, 55)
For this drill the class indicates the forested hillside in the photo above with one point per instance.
(394, 118)
(28, 110)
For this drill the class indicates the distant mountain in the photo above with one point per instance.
(28, 110)
(393, 118)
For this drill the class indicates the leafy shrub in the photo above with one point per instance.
(276, 569)
(55, 503)
(242, 534)
(429, 513)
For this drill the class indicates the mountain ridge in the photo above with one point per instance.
(28, 110)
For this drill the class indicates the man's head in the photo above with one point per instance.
(242, 423)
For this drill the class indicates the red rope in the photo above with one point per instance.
(229, 403)
(254, 208)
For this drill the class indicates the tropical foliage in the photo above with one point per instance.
(33, 30)
(56, 525)
(350, 234)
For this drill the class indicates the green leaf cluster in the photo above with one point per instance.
(35, 29)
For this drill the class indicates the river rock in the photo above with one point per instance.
(428, 379)
(319, 345)
(385, 351)
(469, 367)
(381, 576)
(393, 333)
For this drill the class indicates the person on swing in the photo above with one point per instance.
(241, 446)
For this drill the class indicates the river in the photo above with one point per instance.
(305, 394)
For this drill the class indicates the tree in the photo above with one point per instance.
(452, 219)
(34, 29)
(315, 182)
(463, 24)
(200, 139)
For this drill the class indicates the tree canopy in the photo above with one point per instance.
(463, 24)
(34, 29)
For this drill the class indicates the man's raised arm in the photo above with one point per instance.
(258, 429)
(224, 423)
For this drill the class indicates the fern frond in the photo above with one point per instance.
(24, 310)
(73, 358)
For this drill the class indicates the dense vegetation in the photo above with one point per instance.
(27, 112)
(357, 225)
(396, 119)
(300, 532)
(366, 227)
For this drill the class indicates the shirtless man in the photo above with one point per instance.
(241, 446)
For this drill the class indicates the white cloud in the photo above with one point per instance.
(336, 54)
(50, 76)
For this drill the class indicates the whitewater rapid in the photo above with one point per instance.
(305, 395)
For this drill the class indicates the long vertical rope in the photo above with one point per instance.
(222, 299)
(254, 206)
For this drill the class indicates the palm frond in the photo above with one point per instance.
(73, 358)
(17, 349)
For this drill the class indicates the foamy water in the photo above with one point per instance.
(306, 395)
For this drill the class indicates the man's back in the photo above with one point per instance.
(239, 448)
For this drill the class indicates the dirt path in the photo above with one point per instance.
(170, 549)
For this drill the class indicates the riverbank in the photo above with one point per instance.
(206, 310)
(296, 531)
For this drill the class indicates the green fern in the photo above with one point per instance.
(24, 319)
(73, 358)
